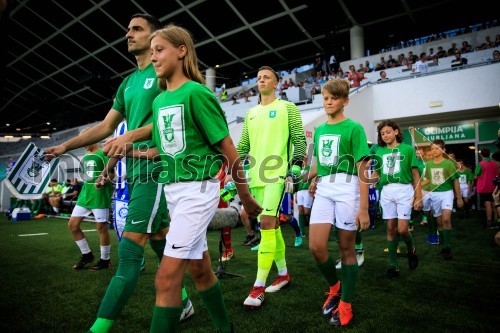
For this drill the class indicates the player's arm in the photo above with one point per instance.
(120, 145)
(362, 218)
(227, 148)
(417, 202)
(243, 147)
(95, 134)
(297, 136)
(458, 193)
(148, 154)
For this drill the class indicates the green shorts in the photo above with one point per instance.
(147, 207)
(269, 197)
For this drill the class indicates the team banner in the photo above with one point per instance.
(30, 175)
(120, 211)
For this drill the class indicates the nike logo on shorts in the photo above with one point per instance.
(268, 210)
(136, 222)
(176, 247)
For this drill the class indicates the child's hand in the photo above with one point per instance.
(460, 202)
(312, 188)
(251, 206)
(417, 204)
(363, 220)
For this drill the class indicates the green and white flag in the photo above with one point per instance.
(30, 175)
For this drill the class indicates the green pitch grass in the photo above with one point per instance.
(41, 293)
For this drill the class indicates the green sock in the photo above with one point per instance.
(166, 319)
(265, 257)
(434, 226)
(185, 296)
(214, 302)
(329, 271)
(441, 236)
(123, 284)
(424, 218)
(409, 242)
(101, 325)
(302, 220)
(158, 247)
(392, 245)
(279, 256)
(35, 208)
(447, 237)
(349, 280)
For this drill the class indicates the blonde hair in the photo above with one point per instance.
(178, 36)
(338, 88)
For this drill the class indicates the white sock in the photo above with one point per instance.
(105, 251)
(83, 245)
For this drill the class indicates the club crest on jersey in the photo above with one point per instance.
(327, 148)
(168, 132)
(272, 114)
(148, 83)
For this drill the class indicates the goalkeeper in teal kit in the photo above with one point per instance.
(272, 133)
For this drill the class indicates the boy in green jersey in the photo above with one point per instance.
(272, 138)
(441, 175)
(96, 201)
(397, 172)
(466, 180)
(340, 190)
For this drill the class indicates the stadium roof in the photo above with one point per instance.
(65, 59)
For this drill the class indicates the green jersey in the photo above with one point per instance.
(302, 185)
(338, 147)
(464, 177)
(187, 124)
(269, 134)
(90, 197)
(395, 165)
(134, 99)
(441, 175)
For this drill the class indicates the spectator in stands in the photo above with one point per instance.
(383, 76)
(466, 48)
(333, 65)
(381, 65)
(54, 193)
(291, 83)
(412, 58)
(431, 55)
(488, 44)
(452, 49)
(310, 79)
(318, 65)
(369, 67)
(497, 40)
(362, 69)
(235, 99)
(458, 61)
(421, 65)
(391, 62)
(354, 77)
(441, 53)
(73, 190)
(245, 97)
(496, 56)
(251, 92)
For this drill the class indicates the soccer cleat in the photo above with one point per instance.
(410, 228)
(255, 248)
(188, 311)
(250, 239)
(256, 297)
(435, 240)
(447, 254)
(338, 264)
(387, 250)
(342, 316)
(281, 282)
(332, 302)
(101, 264)
(412, 258)
(298, 241)
(228, 254)
(423, 223)
(392, 272)
(360, 257)
(84, 260)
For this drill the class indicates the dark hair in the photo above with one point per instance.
(153, 21)
(485, 152)
(394, 125)
(438, 142)
(270, 69)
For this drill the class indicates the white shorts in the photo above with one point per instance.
(441, 201)
(426, 201)
(192, 205)
(304, 199)
(464, 191)
(336, 202)
(100, 214)
(396, 201)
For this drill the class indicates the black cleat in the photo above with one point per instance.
(392, 272)
(101, 264)
(412, 258)
(447, 254)
(84, 260)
